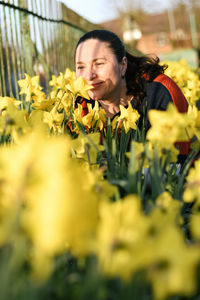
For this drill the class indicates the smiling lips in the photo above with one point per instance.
(96, 85)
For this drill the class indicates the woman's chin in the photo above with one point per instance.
(94, 96)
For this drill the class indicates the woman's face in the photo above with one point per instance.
(96, 62)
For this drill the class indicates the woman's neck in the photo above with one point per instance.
(113, 107)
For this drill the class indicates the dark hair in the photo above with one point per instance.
(139, 69)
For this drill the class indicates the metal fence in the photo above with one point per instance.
(36, 37)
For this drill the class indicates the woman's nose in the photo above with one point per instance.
(90, 74)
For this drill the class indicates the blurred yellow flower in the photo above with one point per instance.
(192, 187)
(137, 154)
(175, 269)
(39, 188)
(4, 102)
(121, 228)
(35, 121)
(186, 78)
(55, 198)
(194, 114)
(166, 202)
(86, 147)
(13, 120)
(168, 127)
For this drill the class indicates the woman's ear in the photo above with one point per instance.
(124, 64)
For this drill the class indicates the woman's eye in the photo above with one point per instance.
(80, 67)
(99, 63)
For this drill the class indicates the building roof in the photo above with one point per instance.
(154, 23)
(150, 23)
(114, 25)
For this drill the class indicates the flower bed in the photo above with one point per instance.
(92, 208)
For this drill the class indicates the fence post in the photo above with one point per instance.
(37, 37)
(28, 45)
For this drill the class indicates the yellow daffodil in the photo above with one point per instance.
(90, 117)
(79, 87)
(195, 224)
(168, 126)
(166, 202)
(137, 153)
(194, 114)
(13, 120)
(53, 81)
(114, 123)
(67, 103)
(35, 121)
(58, 82)
(4, 102)
(162, 150)
(175, 268)
(29, 86)
(95, 117)
(54, 119)
(100, 116)
(186, 78)
(192, 188)
(121, 228)
(43, 103)
(87, 147)
(39, 189)
(78, 113)
(128, 117)
(70, 74)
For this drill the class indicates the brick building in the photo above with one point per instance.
(156, 35)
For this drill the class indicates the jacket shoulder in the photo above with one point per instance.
(177, 96)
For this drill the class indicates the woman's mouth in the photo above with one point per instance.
(96, 85)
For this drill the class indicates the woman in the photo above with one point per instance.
(118, 77)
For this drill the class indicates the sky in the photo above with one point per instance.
(97, 11)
